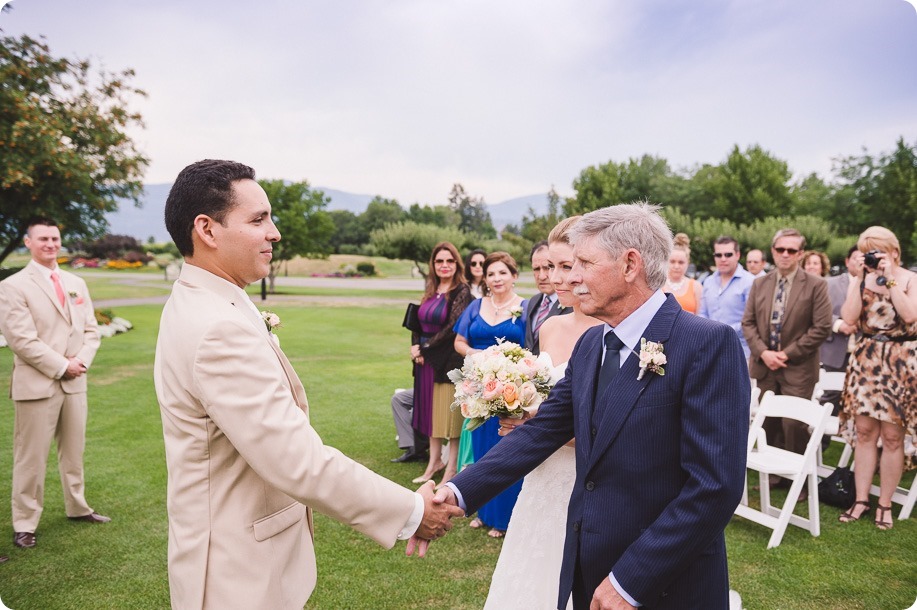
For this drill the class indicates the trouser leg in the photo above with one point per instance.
(402, 407)
(71, 442)
(33, 429)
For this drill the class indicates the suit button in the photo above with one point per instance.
(590, 485)
(594, 431)
(576, 526)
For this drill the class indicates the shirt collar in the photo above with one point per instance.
(631, 328)
(789, 276)
(45, 271)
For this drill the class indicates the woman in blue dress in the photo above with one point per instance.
(499, 314)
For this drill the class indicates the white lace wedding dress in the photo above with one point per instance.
(528, 570)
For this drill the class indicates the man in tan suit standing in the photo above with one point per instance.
(47, 318)
(245, 466)
(787, 317)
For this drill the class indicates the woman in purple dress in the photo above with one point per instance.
(433, 351)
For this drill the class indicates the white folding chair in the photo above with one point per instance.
(753, 407)
(827, 382)
(798, 468)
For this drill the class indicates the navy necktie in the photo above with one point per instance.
(611, 364)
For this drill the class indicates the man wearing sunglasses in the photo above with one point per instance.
(726, 290)
(787, 319)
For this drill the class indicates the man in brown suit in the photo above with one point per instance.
(245, 466)
(47, 318)
(787, 317)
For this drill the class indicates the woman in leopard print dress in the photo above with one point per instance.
(880, 393)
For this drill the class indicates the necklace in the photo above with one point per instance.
(676, 286)
(501, 307)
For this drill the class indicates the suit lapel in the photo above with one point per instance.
(299, 392)
(587, 366)
(622, 394)
(45, 286)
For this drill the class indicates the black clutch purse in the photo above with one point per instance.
(411, 319)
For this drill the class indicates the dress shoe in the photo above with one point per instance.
(92, 518)
(24, 540)
(803, 496)
(410, 456)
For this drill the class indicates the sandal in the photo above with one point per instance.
(848, 517)
(495, 533)
(476, 523)
(880, 522)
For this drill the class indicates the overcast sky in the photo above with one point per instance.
(405, 97)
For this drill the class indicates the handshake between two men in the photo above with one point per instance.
(440, 506)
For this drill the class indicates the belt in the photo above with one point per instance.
(886, 338)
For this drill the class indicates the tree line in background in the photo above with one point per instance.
(65, 153)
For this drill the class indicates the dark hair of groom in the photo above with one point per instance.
(204, 188)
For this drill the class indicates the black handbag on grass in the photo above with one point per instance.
(837, 489)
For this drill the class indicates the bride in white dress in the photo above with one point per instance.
(528, 570)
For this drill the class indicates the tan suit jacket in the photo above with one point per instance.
(243, 461)
(806, 324)
(43, 335)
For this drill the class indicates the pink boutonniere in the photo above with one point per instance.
(76, 298)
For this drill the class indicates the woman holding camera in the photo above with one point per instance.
(880, 393)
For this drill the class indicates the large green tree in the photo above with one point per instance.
(647, 178)
(349, 233)
(472, 212)
(305, 226)
(65, 152)
(749, 185)
(381, 212)
(414, 242)
(880, 191)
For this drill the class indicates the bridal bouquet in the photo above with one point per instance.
(503, 380)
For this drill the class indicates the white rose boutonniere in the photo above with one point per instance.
(651, 358)
(515, 313)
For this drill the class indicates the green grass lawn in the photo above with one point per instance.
(350, 359)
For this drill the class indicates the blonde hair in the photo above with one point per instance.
(682, 242)
(880, 238)
(561, 231)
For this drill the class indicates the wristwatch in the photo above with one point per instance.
(891, 282)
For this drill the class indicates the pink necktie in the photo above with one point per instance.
(58, 288)
(542, 314)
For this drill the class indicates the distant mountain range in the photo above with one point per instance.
(147, 221)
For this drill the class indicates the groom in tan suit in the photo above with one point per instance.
(245, 466)
(47, 318)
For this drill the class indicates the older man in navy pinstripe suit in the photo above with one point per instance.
(660, 450)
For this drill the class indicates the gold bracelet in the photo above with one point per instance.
(891, 283)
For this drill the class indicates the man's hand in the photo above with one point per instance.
(606, 597)
(75, 368)
(438, 511)
(774, 360)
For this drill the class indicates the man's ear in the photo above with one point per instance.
(633, 264)
(204, 231)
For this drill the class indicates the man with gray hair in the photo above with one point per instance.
(787, 318)
(657, 400)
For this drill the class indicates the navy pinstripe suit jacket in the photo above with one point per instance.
(657, 479)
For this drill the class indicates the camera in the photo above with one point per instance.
(870, 259)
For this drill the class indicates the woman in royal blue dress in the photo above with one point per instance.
(499, 314)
